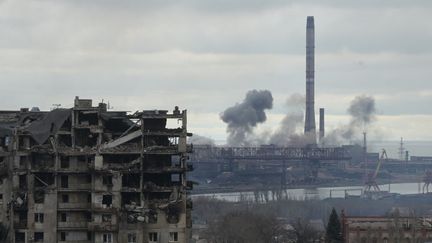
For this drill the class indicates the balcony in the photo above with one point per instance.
(168, 132)
(136, 149)
(76, 241)
(103, 208)
(74, 206)
(171, 149)
(72, 225)
(130, 189)
(152, 187)
(20, 225)
(76, 187)
(75, 169)
(102, 226)
(166, 169)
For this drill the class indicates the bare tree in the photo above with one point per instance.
(245, 227)
(304, 232)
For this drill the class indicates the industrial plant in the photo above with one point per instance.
(301, 176)
(288, 159)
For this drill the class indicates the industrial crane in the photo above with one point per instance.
(370, 183)
(427, 181)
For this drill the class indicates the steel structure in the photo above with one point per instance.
(427, 180)
(266, 160)
(370, 183)
(267, 153)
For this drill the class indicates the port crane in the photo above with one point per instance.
(370, 183)
(427, 181)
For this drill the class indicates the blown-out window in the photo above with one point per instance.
(132, 238)
(173, 237)
(153, 237)
(107, 238)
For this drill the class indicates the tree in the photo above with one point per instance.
(333, 231)
(304, 232)
(245, 227)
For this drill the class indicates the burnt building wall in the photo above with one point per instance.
(87, 174)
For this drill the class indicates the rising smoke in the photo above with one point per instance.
(243, 117)
(200, 140)
(362, 110)
(363, 114)
(288, 133)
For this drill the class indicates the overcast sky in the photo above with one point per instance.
(204, 55)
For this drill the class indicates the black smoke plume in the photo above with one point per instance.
(243, 117)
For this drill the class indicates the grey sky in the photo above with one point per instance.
(205, 55)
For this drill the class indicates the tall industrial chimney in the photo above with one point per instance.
(321, 123)
(310, 80)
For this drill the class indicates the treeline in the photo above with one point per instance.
(207, 209)
(246, 221)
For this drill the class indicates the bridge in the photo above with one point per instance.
(206, 153)
(266, 162)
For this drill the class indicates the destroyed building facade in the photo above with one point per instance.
(88, 174)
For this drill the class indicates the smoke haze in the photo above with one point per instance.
(289, 131)
(362, 110)
(363, 113)
(201, 140)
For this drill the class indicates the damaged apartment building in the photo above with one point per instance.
(88, 174)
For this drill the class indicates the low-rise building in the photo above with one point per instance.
(386, 229)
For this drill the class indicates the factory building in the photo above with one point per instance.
(387, 229)
(90, 175)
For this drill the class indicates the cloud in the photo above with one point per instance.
(215, 26)
(203, 54)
